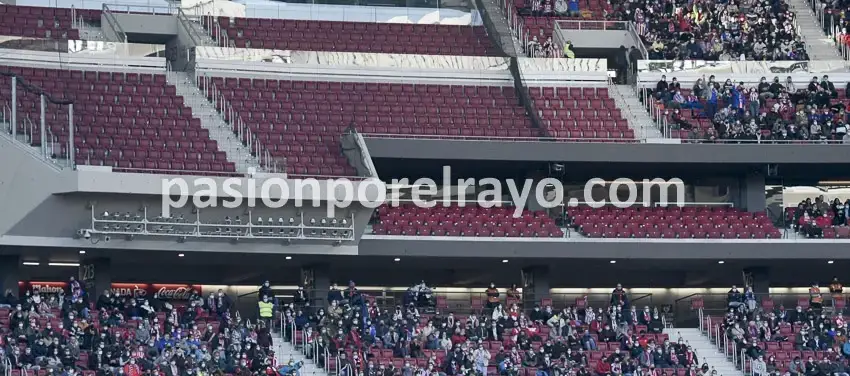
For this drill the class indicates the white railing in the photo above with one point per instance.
(702, 322)
(239, 127)
(113, 24)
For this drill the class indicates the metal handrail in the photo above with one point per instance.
(238, 126)
(113, 23)
(184, 21)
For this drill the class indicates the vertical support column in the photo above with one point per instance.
(10, 274)
(43, 125)
(14, 107)
(535, 285)
(316, 279)
(71, 152)
(752, 192)
(95, 275)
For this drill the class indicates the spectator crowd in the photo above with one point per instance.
(811, 218)
(808, 340)
(499, 336)
(72, 332)
(836, 20)
(698, 30)
(771, 110)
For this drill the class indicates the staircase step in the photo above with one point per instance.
(705, 350)
(212, 121)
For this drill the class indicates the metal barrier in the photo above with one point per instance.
(113, 24)
(184, 21)
(240, 128)
(40, 133)
(182, 229)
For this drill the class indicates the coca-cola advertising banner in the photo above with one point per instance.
(138, 290)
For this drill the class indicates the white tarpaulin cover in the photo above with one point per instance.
(743, 67)
(356, 59)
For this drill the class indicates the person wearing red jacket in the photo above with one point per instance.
(132, 369)
(821, 223)
(603, 368)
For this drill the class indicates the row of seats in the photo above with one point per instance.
(301, 121)
(580, 113)
(470, 220)
(354, 36)
(129, 121)
(672, 223)
(43, 22)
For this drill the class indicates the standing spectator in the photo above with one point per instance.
(815, 298)
(734, 299)
(265, 290)
(619, 297)
(266, 310)
(301, 298)
(492, 296)
(835, 288)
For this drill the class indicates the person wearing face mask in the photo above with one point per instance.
(132, 369)
(266, 310)
(828, 86)
(264, 290)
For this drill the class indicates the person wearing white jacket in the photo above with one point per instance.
(482, 358)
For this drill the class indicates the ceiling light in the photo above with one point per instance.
(396, 259)
(289, 257)
(63, 264)
(82, 252)
(830, 262)
(31, 263)
(721, 262)
(505, 261)
(613, 261)
(180, 255)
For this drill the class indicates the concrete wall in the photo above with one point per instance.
(598, 38)
(145, 24)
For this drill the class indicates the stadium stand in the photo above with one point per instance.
(671, 222)
(580, 112)
(816, 218)
(768, 332)
(129, 121)
(706, 31)
(302, 121)
(43, 22)
(354, 36)
(775, 110)
(488, 334)
(463, 221)
(70, 330)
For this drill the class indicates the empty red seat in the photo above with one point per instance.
(113, 126)
(357, 36)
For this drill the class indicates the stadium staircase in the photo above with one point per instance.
(285, 351)
(498, 24)
(202, 36)
(705, 350)
(213, 121)
(818, 45)
(634, 111)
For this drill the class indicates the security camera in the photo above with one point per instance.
(86, 234)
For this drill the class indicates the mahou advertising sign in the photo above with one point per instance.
(136, 290)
